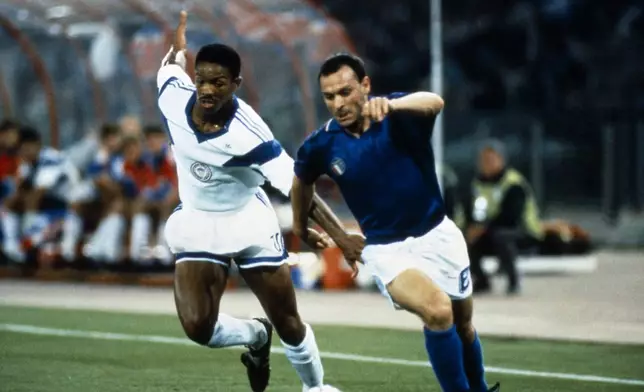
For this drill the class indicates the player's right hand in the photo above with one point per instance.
(376, 109)
(351, 246)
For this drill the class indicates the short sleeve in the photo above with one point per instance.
(307, 163)
(415, 125)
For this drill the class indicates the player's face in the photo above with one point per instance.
(112, 143)
(155, 143)
(29, 151)
(215, 86)
(490, 163)
(344, 95)
(9, 138)
(132, 152)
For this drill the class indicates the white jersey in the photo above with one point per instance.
(53, 172)
(219, 171)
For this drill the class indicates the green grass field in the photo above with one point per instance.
(51, 360)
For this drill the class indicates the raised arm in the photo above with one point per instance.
(421, 103)
(173, 66)
(177, 53)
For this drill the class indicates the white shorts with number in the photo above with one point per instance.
(440, 254)
(250, 236)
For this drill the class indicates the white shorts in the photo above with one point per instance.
(83, 191)
(250, 236)
(440, 254)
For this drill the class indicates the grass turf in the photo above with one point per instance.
(55, 364)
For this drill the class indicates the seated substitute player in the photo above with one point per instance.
(223, 153)
(46, 181)
(166, 196)
(377, 150)
(99, 192)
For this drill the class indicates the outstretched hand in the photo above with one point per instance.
(180, 32)
(177, 53)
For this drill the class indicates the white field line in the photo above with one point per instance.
(34, 330)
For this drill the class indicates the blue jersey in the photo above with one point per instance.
(387, 176)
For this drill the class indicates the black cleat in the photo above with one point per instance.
(495, 388)
(257, 362)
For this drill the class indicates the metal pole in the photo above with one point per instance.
(639, 167)
(536, 166)
(608, 196)
(436, 45)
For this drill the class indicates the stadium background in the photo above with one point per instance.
(558, 81)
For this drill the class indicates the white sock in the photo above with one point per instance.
(34, 226)
(139, 237)
(11, 235)
(72, 232)
(306, 360)
(112, 236)
(10, 228)
(94, 246)
(230, 331)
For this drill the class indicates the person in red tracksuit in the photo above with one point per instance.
(9, 134)
(146, 196)
(9, 163)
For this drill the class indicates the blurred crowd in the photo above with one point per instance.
(99, 202)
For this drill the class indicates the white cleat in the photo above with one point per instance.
(324, 388)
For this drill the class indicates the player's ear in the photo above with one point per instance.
(365, 85)
(238, 81)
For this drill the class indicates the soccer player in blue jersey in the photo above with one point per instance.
(378, 151)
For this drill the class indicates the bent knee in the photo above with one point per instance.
(436, 311)
(290, 329)
(466, 331)
(199, 328)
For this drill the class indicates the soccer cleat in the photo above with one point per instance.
(495, 388)
(257, 362)
(324, 388)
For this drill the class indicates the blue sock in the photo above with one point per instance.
(445, 352)
(473, 360)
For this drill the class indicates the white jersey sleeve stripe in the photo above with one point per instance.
(260, 126)
(253, 129)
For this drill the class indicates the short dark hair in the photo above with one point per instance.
(221, 54)
(131, 141)
(29, 135)
(336, 61)
(8, 124)
(150, 130)
(108, 130)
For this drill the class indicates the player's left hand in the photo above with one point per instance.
(377, 108)
(317, 240)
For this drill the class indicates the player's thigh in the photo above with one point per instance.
(198, 287)
(415, 291)
(273, 288)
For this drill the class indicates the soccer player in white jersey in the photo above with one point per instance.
(378, 152)
(223, 153)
